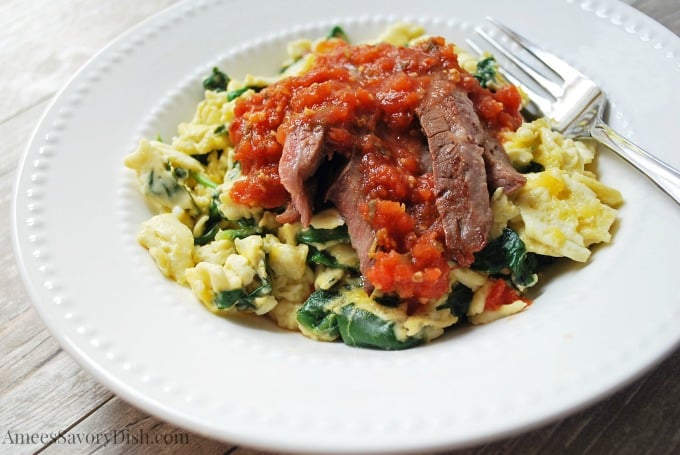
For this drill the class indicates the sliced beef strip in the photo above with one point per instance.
(451, 126)
(346, 193)
(499, 170)
(289, 215)
(303, 152)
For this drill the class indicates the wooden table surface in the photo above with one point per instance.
(42, 390)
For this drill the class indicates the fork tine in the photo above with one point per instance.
(538, 104)
(558, 66)
(550, 86)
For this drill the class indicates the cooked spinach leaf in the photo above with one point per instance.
(246, 227)
(312, 235)
(236, 297)
(203, 179)
(359, 327)
(322, 257)
(214, 223)
(338, 32)
(458, 301)
(241, 299)
(315, 316)
(507, 255)
(388, 300)
(316, 256)
(217, 81)
(233, 94)
(220, 130)
(208, 235)
(532, 167)
(486, 72)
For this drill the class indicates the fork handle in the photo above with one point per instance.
(662, 174)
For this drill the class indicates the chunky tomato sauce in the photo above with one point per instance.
(501, 294)
(365, 97)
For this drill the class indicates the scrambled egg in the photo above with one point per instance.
(562, 210)
(401, 34)
(170, 243)
(198, 137)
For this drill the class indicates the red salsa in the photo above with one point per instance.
(366, 96)
(501, 294)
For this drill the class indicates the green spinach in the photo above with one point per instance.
(315, 316)
(316, 256)
(458, 301)
(338, 32)
(233, 94)
(217, 81)
(241, 299)
(312, 235)
(359, 327)
(486, 72)
(245, 228)
(507, 255)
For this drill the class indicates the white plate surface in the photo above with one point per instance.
(591, 330)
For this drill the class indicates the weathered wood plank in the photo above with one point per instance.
(26, 346)
(15, 133)
(44, 42)
(665, 12)
(49, 400)
(639, 419)
(117, 427)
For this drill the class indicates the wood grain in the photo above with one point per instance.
(135, 432)
(630, 422)
(44, 42)
(43, 391)
(665, 12)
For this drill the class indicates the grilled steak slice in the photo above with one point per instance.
(449, 121)
(303, 153)
(289, 215)
(346, 193)
(499, 170)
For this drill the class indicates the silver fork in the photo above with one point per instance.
(575, 103)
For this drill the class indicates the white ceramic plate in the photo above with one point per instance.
(591, 330)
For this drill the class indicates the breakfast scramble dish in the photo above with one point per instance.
(376, 193)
